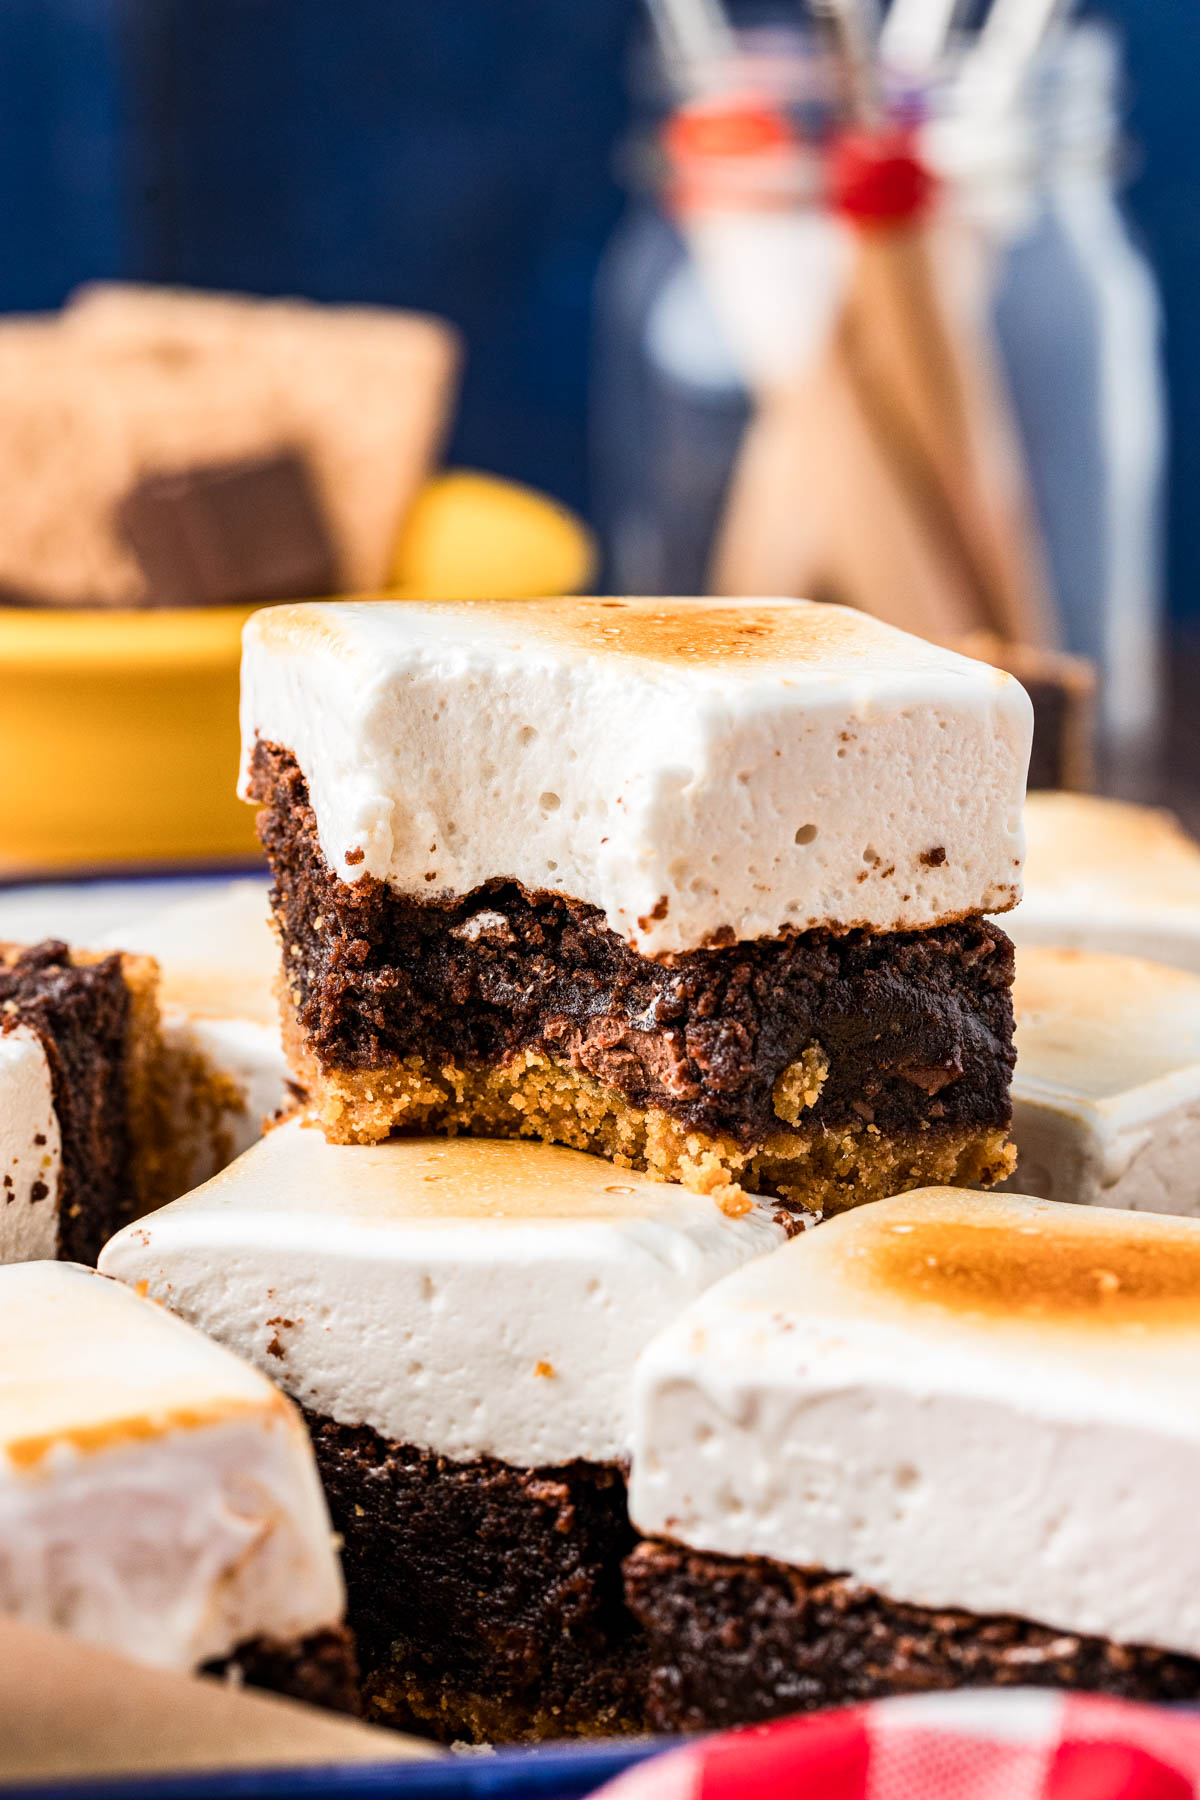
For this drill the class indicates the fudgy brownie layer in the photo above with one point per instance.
(486, 1600)
(321, 1669)
(80, 1013)
(734, 1641)
(915, 1027)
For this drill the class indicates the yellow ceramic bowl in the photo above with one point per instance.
(119, 739)
(466, 531)
(119, 731)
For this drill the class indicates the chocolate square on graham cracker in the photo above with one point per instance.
(233, 533)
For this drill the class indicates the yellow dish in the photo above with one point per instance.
(119, 730)
(466, 531)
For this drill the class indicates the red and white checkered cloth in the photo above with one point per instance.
(1022, 1745)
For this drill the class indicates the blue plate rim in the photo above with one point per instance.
(549, 1772)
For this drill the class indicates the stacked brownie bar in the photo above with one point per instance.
(946, 1441)
(696, 886)
(460, 1322)
(157, 1496)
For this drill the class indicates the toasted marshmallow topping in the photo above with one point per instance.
(473, 1297)
(961, 1400)
(157, 1496)
(30, 1150)
(1107, 875)
(694, 768)
(1106, 1094)
(218, 959)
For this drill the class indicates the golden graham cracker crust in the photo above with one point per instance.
(408, 1698)
(821, 1169)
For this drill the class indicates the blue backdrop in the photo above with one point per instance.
(449, 154)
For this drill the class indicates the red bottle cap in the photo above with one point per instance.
(877, 177)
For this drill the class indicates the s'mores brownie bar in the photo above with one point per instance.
(80, 1138)
(225, 1072)
(158, 1496)
(1106, 1093)
(460, 1322)
(1109, 875)
(695, 885)
(945, 1441)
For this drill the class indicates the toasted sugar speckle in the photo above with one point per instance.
(673, 631)
(691, 633)
(1112, 1274)
(27, 1453)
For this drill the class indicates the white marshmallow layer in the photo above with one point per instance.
(157, 1496)
(473, 1297)
(961, 1400)
(1106, 1093)
(1108, 875)
(30, 1150)
(690, 767)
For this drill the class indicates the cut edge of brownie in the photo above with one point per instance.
(95, 1015)
(486, 1600)
(736, 1641)
(137, 1114)
(147, 1088)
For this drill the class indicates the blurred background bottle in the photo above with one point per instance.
(1030, 174)
(670, 404)
(1077, 321)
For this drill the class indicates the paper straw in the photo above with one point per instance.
(995, 67)
(696, 40)
(914, 34)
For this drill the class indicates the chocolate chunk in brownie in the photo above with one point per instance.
(486, 1600)
(80, 1013)
(733, 1641)
(916, 1026)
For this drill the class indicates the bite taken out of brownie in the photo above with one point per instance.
(701, 887)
